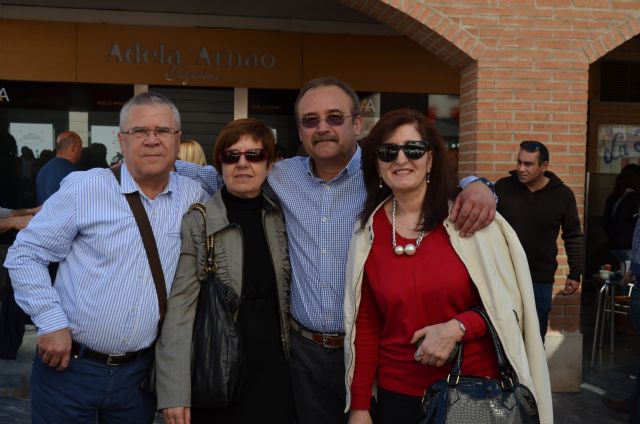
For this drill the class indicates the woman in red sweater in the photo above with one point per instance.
(416, 292)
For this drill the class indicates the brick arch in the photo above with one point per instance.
(437, 33)
(616, 36)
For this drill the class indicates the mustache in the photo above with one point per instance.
(319, 138)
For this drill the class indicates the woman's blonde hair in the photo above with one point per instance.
(191, 151)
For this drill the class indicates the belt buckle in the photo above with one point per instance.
(112, 357)
(325, 337)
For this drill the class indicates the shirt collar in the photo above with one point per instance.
(129, 185)
(352, 167)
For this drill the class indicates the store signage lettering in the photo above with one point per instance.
(4, 96)
(138, 54)
(368, 106)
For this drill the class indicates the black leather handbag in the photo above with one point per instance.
(218, 363)
(463, 399)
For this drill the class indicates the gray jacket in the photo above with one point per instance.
(173, 351)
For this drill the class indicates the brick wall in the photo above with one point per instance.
(524, 68)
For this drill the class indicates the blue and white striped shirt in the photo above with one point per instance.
(320, 217)
(104, 291)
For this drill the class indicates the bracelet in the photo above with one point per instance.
(462, 327)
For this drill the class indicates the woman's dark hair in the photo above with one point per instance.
(442, 186)
(231, 134)
(629, 177)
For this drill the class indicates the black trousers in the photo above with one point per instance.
(396, 408)
(317, 377)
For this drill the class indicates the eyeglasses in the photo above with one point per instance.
(229, 157)
(142, 133)
(333, 120)
(414, 150)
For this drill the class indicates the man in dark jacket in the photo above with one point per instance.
(537, 204)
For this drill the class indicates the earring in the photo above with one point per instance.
(428, 177)
(380, 183)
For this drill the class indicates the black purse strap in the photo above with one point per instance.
(150, 246)
(509, 377)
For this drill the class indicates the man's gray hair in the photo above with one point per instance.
(148, 98)
(327, 82)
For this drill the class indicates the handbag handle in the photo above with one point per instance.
(509, 377)
(209, 240)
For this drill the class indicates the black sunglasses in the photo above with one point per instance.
(333, 120)
(414, 150)
(229, 157)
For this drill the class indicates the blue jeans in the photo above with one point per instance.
(88, 391)
(542, 294)
(635, 320)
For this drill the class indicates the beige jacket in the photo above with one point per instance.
(173, 350)
(498, 267)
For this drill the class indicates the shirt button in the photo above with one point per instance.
(323, 251)
(324, 219)
(327, 187)
(325, 285)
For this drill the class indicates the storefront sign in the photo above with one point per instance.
(618, 145)
(189, 56)
(4, 96)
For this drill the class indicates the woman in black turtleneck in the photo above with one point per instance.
(252, 258)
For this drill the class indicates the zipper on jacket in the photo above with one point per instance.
(282, 324)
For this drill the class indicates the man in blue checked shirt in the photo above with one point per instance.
(322, 196)
(98, 320)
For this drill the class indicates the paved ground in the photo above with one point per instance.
(614, 375)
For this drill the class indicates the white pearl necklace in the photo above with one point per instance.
(410, 248)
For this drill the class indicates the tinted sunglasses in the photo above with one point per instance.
(413, 150)
(229, 157)
(333, 120)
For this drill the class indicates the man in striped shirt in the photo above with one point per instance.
(321, 197)
(97, 321)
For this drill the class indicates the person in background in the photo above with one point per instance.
(98, 322)
(412, 281)
(68, 153)
(321, 196)
(252, 259)
(537, 204)
(93, 156)
(279, 153)
(634, 314)
(191, 151)
(621, 212)
(11, 219)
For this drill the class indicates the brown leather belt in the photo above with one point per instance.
(80, 351)
(329, 340)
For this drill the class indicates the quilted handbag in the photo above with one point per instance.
(463, 399)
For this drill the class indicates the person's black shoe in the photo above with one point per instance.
(622, 405)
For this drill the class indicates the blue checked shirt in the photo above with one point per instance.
(320, 217)
(104, 291)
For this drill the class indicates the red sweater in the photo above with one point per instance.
(401, 294)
